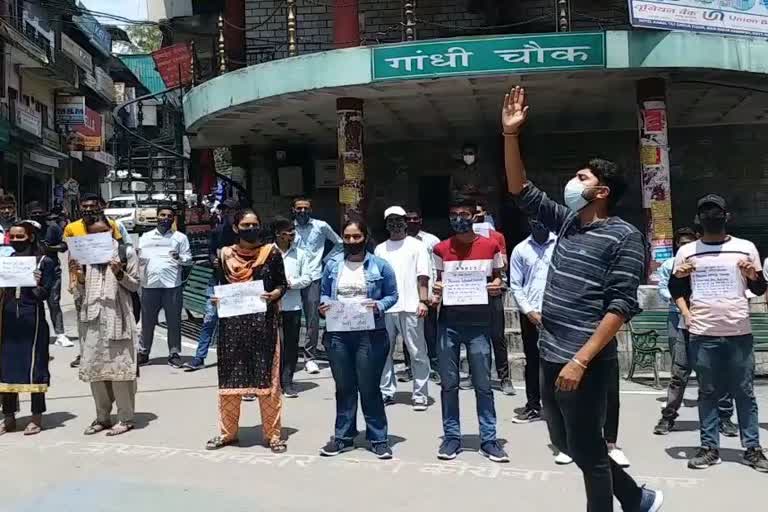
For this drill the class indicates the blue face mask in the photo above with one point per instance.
(460, 225)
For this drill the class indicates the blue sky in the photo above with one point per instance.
(133, 9)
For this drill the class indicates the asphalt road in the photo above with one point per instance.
(162, 465)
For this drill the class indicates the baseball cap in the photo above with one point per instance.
(712, 200)
(394, 210)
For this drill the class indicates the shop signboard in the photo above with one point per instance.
(28, 119)
(101, 157)
(88, 136)
(70, 110)
(739, 17)
(97, 34)
(490, 55)
(104, 84)
(51, 139)
(76, 52)
(174, 64)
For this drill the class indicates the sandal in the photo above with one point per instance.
(96, 427)
(8, 425)
(35, 426)
(278, 446)
(219, 442)
(119, 429)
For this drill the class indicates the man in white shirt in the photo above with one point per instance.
(414, 221)
(410, 261)
(162, 253)
(297, 272)
(528, 269)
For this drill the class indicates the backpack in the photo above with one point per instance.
(122, 252)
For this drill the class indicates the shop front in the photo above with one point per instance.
(398, 120)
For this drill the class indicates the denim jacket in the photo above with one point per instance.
(382, 287)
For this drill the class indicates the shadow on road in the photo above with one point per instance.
(143, 419)
(472, 442)
(254, 436)
(687, 452)
(693, 426)
(56, 419)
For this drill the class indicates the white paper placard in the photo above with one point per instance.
(717, 281)
(6, 250)
(18, 272)
(482, 228)
(156, 250)
(240, 299)
(349, 316)
(467, 288)
(91, 249)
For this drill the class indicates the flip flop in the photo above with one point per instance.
(96, 427)
(32, 429)
(119, 429)
(278, 446)
(219, 442)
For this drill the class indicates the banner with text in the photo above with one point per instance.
(87, 136)
(174, 64)
(488, 55)
(70, 110)
(742, 17)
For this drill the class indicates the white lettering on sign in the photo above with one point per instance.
(453, 57)
(523, 55)
(18, 271)
(240, 299)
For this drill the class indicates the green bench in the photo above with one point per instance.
(650, 340)
(195, 298)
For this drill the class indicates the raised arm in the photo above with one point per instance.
(514, 113)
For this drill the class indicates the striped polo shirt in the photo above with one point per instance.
(594, 270)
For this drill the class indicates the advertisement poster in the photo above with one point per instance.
(89, 135)
(70, 110)
(739, 17)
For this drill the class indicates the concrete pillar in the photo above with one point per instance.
(654, 164)
(349, 112)
(346, 25)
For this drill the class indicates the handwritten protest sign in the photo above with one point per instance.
(466, 288)
(240, 299)
(160, 249)
(18, 272)
(91, 249)
(717, 281)
(349, 316)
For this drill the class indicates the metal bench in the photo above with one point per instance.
(650, 339)
(195, 297)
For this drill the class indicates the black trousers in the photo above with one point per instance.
(530, 335)
(11, 403)
(498, 340)
(289, 356)
(611, 426)
(575, 420)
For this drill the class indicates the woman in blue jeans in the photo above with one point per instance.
(357, 357)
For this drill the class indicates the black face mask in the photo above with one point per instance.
(92, 216)
(252, 236)
(353, 249)
(164, 225)
(21, 246)
(713, 221)
(301, 217)
(40, 219)
(539, 233)
(396, 227)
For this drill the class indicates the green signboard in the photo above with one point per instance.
(489, 55)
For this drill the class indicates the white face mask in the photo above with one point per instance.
(469, 159)
(574, 195)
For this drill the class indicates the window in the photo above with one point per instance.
(44, 114)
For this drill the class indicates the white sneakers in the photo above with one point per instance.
(561, 459)
(311, 367)
(63, 341)
(618, 457)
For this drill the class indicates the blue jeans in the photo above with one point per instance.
(210, 323)
(357, 361)
(725, 365)
(478, 342)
